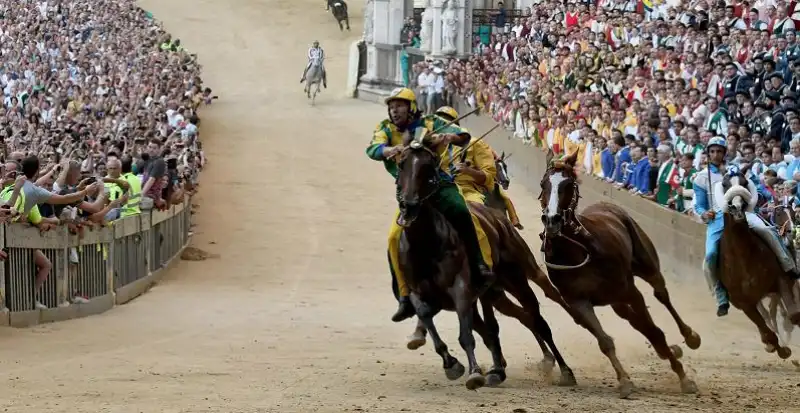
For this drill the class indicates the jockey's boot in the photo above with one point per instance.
(324, 79)
(405, 310)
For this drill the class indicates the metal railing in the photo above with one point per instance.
(91, 272)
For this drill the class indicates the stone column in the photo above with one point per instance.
(436, 41)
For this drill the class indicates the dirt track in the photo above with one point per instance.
(293, 316)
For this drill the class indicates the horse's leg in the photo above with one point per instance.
(347, 20)
(639, 318)
(656, 280)
(453, 369)
(529, 320)
(768, 337)
(417, 338)
(465, 309)
(522, 291)
(770, 314)
(489, 330)
(606, 343)
(786, 289)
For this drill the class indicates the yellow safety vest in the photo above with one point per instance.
(134, 195)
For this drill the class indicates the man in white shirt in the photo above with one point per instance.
(424, 82)
(518, 26)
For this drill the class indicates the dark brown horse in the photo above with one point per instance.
(592, 258)
(435, 263)
(784, 220)
(749, 280)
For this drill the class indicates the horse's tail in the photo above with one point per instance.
(644, 252)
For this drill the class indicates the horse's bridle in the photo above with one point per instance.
(437, 180)
(571, 223)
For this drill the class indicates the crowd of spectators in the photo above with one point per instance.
(638, 87)
(99, 115)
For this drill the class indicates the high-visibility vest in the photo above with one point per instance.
(134, 195)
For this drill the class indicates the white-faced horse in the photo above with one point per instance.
(313, 79)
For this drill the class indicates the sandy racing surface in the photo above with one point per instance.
(294, 314)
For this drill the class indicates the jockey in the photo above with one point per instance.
(708, 206)
(316, 52)
(475, 168)
(476, 184)
(388, 140)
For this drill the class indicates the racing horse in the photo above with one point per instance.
(592, 259)
(313, 79)
(496, 198)
(435, 263)
(783, 218)
(749, 281)
(339, 10)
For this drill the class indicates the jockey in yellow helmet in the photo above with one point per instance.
(475, 166)
(388, 140)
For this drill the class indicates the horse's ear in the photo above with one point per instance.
(549, 158)
(746, 168)
(503, 155)
(571, 159)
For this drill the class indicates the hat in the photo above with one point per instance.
(773, 95)
(775, 74)
(744, 93)
(790, 95)
(762, 105)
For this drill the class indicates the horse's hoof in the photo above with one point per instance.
(416, 341)
(784, 352)
(475, 381)
(567, 379)
(455, 371)
(495, 377)
(688, 386)
(677, 351)
(546, 365)
(770, 348)
(693, 340)
(504, 362)
(625, 388)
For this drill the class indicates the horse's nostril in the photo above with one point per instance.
(544, 218)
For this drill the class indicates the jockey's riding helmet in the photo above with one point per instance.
(406, 94)
(717, 141)
(447, 112)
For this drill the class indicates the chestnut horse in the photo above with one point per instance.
(749, 280)
(592, 258)
(435, 263)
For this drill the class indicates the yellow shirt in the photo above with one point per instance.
(479, 156)
(597, 167)
(33, 216)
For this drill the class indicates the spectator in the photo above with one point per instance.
(674, 74)
(89, 90)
